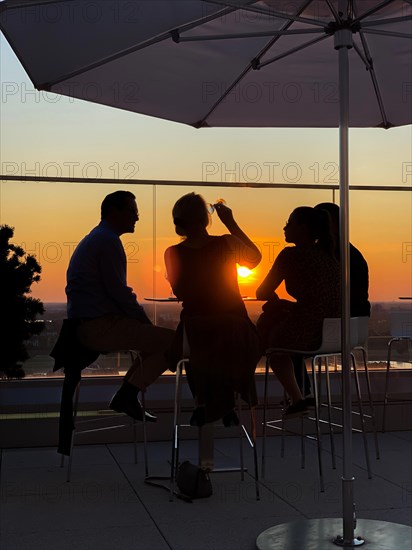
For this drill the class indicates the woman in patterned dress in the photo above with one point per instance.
(312, 277)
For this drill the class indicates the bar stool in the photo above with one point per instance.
(105, 415)
(330, 347)
(401, 331)
(360, 338)
(361, 346)
(181, 365)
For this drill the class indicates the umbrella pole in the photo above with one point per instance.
(343, 41)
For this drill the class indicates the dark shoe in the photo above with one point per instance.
(287, 402)
(230, 419)
(310, 402)
(198, 417)
(131, 407)
(295, 410)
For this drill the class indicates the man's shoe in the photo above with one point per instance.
(130, 406)
(295, 410)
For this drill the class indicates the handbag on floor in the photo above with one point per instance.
(193, 481)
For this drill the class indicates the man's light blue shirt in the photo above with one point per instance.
(97, 280)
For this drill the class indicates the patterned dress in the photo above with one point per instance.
(312, 277)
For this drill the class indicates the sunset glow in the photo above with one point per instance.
(244, 272)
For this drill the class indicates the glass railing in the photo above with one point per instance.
(381, 233)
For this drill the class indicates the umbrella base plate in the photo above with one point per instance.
(340, 541)
(323, 534)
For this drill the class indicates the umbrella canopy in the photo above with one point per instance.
(220, 63)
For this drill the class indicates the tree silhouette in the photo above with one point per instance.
(18, 271)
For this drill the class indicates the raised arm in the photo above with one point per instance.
(246, 252)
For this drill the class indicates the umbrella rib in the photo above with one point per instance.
(271, 13)
(292, 50)
(387, 33)
(164, 36)
(369, 65)
(333, 10)
(249, 35)
(286, 25)
(373, 10)
(390, 21)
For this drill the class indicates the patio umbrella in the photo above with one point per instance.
(238, 63)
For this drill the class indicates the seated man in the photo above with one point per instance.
(359, 272)
(107, 311)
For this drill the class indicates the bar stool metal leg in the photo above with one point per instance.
(253, 430)
(241, 432)
(176, 426)
(252, 442)
(318, 434)
(145, 451)
(265, 402)
(302, 444)
(371, 407)
(282, 425)
(388, 366)
(75, 406)
(133, 355)
(362, 419)
(329, 400)
(302, 431)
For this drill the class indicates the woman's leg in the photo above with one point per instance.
(282, 366)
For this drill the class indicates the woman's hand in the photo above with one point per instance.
(224, 213)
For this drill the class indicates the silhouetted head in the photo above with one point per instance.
(309, 225)
(119, 209)
(333, 211)
(190, 214)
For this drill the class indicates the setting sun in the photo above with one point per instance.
(244, 272)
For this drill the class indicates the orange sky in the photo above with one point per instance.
(50, 219)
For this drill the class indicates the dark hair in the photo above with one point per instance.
(189, 211)
(115, 201)
(317, 221)
(331, 208)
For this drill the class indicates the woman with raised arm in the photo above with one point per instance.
(312, 277)
(224, 347)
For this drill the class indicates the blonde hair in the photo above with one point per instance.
(190, 211)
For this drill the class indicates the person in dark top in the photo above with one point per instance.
(359, 272)
(223, 342)
(311, 274)
(359, 289)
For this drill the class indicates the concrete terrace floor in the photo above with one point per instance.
(107, 505)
